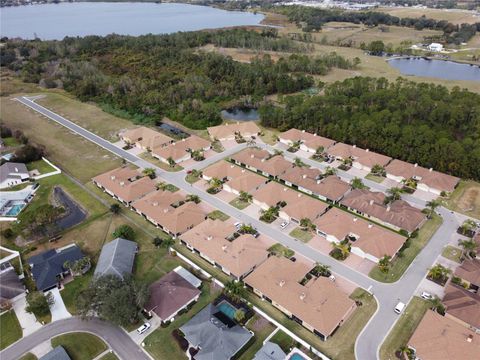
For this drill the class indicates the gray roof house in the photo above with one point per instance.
(270, 351)
(58, 353)
(12, 174)
(116, 258)
(215, 336)
(10, 284)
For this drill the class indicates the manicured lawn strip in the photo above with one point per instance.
(41, 166)
(161, 344)
(239, 204)
(339, 346)
(217, 214)
(148, 157)
(400, 264)
(404, 328)
(283, 340)
(109, 356)
(452, 253)
(28, 356)
(191, 179)
(302, 235)
(80, 345)
(280, 250)
(10, 329)
(73, 288)
(376, 178)
(260, 336)
(465, 199)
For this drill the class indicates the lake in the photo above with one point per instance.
(55, 21)
(440, 69)
(240, 114)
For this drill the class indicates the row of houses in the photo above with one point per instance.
(228, 132)
(364, 159)
(167, 210)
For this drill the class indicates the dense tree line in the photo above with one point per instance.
(416, 122)
(153, 76)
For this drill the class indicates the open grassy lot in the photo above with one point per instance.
(10, 329)
(239, 204)
(161, 344)
(302, 235)
(404, 328)
(400, 264)
(87, 115)
(80, 345)
(41, 166)
(261, 329)
(70, 152)
(465, 199)
(452, 253)
(217, 214)
(11, 84)
(454, 16)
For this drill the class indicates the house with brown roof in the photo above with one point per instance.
(273, 194)
(308, 142)
(170, 212)
(125, 184)
(217, 242)
(169, 295)
(145, 138)
(304, 208)
(469, 272)
(427, 179)
(262, 161)
(369, 241)
(398, 215)
(438, 337)
(463, 306)
(311, 181)
(181, 150)
(227, 131)
(319, 305)
(221, 170)
(363, 159)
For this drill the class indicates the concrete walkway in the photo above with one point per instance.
(58, 309)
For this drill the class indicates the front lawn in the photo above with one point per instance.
(192, 178)
(400, 264)
(302, 235)
(28, 356)
(404, 328)
(452, 253)
(10, 330)
(80, 345)
(239, 204)
(164, 166)
(217, 214)
(280, 250)
(73, 288)
(109, 356)
(376, 178)
(41, 166)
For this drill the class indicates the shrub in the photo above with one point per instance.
(8, 233)
(182, 342)
(125, 232)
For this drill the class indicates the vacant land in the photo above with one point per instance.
(72, 153)
(455, 16)
(465, 199)
(10, 329)
(400, 264)
(88, 116)
(80, 346)
(404, 328)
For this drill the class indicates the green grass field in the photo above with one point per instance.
(10, 330)
(377, 179)
(302, 235)
(217, 214)
(452, 253)
(280, 250)
(239, 204)
(73, 288)
(80, 346)
(41, 166)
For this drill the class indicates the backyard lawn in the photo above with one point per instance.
(80, 345)
(400, 264)
(41, 166)
(283, 340)
(239, 204)
(302, 235)
(10, 330)
(404, 328)
(452, 253)
(261, 328)
(465, 199)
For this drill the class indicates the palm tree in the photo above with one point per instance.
(150, 172)
(245, 196)
(395, 193)
(168, 242)
(298, 162)
(171, 162)
(194, 198)
(357, 183)
(343, 247)
(251, 142)
(115, 208)
(436, 303)
(307, 224)
(439, 272)
(330, 171)
(469, 246)
(384, 263)
(432, 205)
(234, 289)
(378, 170)
(246, 229)
(321, 270)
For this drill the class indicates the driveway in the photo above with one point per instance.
(137, 338)
(27, 321)
(58, 309)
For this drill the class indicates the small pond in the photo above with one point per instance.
(440, 69)
(172, 130)
(240, 114)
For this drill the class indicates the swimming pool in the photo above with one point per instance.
(15, 210)
(227, 309)
(296, 356)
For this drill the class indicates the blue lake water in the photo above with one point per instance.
(55, 21)
(440, 69)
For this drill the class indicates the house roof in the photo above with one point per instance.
(245, 128)
(116, 258)
(319, 303)
(146, 137)
(158, 206)
(470, 271)
(238, 256)
(362, 156)
(462, 304)
(270, 351)
(431, 178)
(371, 238)
(126, 183)
(10, 284)
(169, 294)
(305, 207)
(263, 160)
(217, 341)
(178, 149)
(58, 353)
(223, 169)
(272, 193)
(399, 213)
(13, 170)
(247, 181)
(47, 265)
(441, 338)
(187, 275)
(312, 141)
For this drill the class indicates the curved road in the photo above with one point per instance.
(116, 338)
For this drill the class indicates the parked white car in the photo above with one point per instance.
(399, 308)
(144, 328)
(427, 296)
(284, 224)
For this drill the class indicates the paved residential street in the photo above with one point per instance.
(116, 338)
(387, 295)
